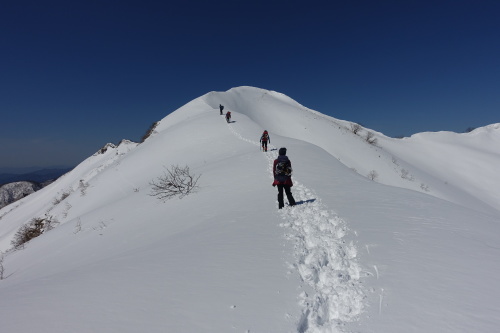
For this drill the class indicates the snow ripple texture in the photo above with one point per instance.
(326, 263)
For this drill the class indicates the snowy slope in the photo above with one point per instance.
(414, 163)
(462, 165)
(399, 254)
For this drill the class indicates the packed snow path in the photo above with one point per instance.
(327, 264)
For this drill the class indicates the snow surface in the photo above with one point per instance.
(416, 249)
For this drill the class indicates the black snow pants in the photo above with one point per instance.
(288, 193)
(264, 145)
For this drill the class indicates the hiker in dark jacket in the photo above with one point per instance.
(221, 107)
(264, 139)
(228, 116)
(282, 170)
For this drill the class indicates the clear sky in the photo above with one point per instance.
(75, 75)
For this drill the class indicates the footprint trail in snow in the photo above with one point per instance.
(326, 263)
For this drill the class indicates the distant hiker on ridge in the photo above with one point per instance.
(264, 139)
(221, 107)
(228, 116)
(282, 170)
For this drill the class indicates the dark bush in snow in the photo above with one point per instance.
(373, 175)
(370, 138)
(355, 128)
(176, 181)
(32, 229)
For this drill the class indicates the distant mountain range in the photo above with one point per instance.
(12, 192)
(38, 176)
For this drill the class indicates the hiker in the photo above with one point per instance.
(282, 170)
(221, 107)
(264, 139)
(228, 116)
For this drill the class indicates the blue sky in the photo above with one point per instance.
(75, 75)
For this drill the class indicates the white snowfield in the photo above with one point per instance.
(401, 236)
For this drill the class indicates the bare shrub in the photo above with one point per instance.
(78, 226)
(60, 199)
(49, 223)
(32, 229)
(27, 232)
(100, 226)
(355, 128)
(373, 175)
(405, 174)
(370, 138)
(67, 206)
(176, 181)
(83, 187)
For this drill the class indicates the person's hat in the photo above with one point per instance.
(282, 151)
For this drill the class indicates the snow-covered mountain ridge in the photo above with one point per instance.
(399, 254)
(412, 163)
(14, 191)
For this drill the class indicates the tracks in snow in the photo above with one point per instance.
(326, 263)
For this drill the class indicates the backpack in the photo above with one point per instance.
(284, 168)
(265, 137)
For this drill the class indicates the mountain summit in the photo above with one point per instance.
(389, 235)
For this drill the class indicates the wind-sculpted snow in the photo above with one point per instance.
(326, 263)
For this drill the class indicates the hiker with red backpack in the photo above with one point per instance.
(282, 170)
(264, 139)
(228, 116)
